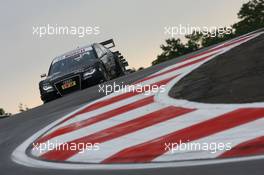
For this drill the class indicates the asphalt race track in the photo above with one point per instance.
(15, 130)
(232, 82)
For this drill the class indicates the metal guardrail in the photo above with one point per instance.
(4, 116)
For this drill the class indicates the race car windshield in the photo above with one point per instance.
(71, 63)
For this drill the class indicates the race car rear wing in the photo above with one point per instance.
(107, 43)
(110, 44)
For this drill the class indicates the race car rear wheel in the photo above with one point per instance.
(120, 69)
(105, 75)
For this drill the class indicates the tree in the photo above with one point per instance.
(216, 37)
(172, 48)
(251, 17)
(194, 41)
(22, 107)
(2, 111)
(141, 68)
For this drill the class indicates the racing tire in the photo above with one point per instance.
(105, 75)
(120, 69)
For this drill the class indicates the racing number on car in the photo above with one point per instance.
(68, 84)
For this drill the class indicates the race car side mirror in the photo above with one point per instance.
(43, 75)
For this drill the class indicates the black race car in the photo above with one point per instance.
(81, 68)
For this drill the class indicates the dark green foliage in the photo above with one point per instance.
(2, 111)
(251, 17)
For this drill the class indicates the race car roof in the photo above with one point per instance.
(108, 44)
(76, 51)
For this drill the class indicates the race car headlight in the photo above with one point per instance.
(89, 72)
(47, 87)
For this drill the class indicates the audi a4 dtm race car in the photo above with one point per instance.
(81, 68)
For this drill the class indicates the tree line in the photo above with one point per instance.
(251, 18)
(21, 108)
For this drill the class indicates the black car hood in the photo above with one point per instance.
(70, 72)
